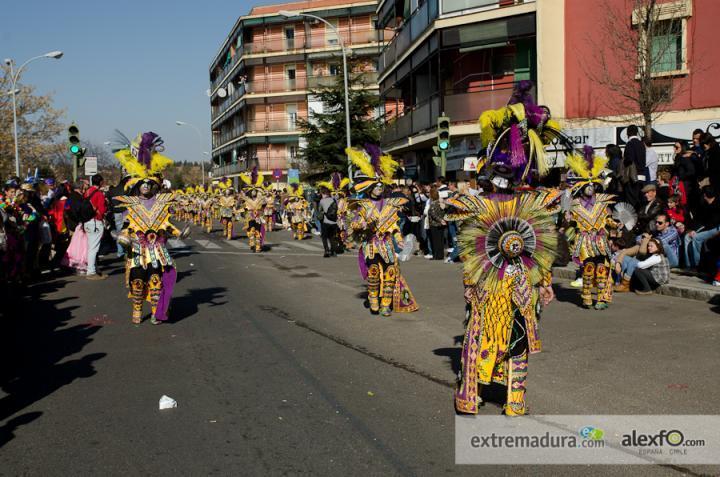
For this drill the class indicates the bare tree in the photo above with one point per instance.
(38, 125)
(639, 56)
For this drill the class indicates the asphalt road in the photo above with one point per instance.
(279, 370)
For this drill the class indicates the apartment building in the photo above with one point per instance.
(263, 76)
(457, 58)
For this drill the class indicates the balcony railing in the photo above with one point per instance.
(273, 125)
(228, 134)
(268, 162)
(228, 169)
(465, 106)
(324, 39)
(322, 81)
(418, 22)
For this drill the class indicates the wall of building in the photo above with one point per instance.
(587, 99)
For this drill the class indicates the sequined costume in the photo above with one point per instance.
(150, 270)
(375, 227)
(590, 215)
(298, 210)
(253, 205)
(507, 244)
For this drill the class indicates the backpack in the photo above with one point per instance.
(331, 213)
(86, 211)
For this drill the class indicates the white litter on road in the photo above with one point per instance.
(166, 402)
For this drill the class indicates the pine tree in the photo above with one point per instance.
(325, 132)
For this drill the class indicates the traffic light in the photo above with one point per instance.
(74, 142)
(443, 133)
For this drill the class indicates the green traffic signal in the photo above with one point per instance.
(443, 133)
(75, 149)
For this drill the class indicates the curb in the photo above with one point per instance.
(699, 293)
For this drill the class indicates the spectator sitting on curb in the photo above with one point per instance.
(653, 271)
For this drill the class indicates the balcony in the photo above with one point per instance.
(269, 161)
(277, 85)
(322, 39)
(273, 125)
(227, 135)
(460, 107)
(324, 81)
(415, 25)
(229, 169)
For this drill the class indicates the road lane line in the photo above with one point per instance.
(207, 244)
(176, 243)
(304, 246)
(239, 244)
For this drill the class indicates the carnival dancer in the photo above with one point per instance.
(269, 211)
(226, 204)
(298, 207)
(150, 270)
(207, 210)
(507, 242)
(590, 216)
(253, 206)
(376, 228)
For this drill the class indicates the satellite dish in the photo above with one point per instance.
(208, 92)
(222, 92)
(230, 88)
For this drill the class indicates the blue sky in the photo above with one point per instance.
(132, 65)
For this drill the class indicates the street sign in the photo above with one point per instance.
(90, 165)
(293, 176)
(470, 164)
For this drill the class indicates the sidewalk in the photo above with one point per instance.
(680, 286)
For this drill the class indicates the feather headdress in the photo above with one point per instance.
(586, 168)
(374, 166)
(141, 157)
(252, 179)
(508, 234)
(335, 184)
(516, 135)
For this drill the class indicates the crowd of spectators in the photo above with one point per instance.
(54, 226)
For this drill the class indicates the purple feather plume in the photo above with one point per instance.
(335, 179)
(517, 151)
(588, 153)
(374, 152)
(254, 176)
(146, 148)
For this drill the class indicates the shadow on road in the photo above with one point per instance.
(35, 341)
(568, 295)
(187, 305)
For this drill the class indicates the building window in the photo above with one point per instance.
(666, 47)
(663, 31)
(334, 69)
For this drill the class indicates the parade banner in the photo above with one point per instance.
(600, 439)
(293, 176)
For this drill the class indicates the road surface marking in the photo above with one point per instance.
(176, 243)
(239, 244)
(207, 244)
(304, 246)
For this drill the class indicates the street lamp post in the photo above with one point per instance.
(14, 75)
(202, 139)
(348, 141)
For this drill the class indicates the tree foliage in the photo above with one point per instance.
(39, 125)
(325, 131)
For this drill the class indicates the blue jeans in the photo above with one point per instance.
(118, 226)
(671, 257)
(693, 246)
(94, 230)
(628, 266)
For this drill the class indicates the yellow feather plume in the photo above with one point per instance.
(388, 166)
(537, 149)
(326, 184)
(599, 163)
(130, 164)
(518, 110)
(344, 183)
(361, 161)
(159, 163)
(578, 165)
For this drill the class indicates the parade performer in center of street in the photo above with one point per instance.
(590, 215)
(376, 228)
(508, 243)
(150, 270)
(254, 205)
(226, 203)
(297, 207)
